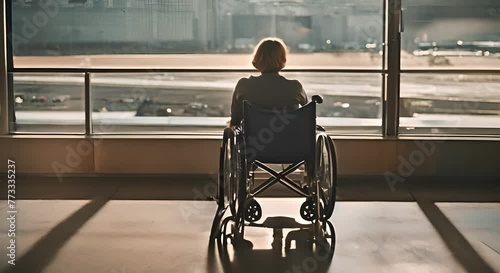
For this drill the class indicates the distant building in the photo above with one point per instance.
(169, 26)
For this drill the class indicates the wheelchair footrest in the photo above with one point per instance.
(280, 222)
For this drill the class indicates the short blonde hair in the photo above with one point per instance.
(270, 55)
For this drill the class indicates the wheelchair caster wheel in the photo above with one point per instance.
(308, 210)
(253, 211)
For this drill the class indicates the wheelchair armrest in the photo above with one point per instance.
(317, 99)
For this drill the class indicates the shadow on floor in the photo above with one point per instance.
(307, 254)
(44, 251)
(461, 249)
(265, 260)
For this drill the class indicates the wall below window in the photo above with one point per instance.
(400, 158)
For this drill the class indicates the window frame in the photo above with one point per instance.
(390, 71)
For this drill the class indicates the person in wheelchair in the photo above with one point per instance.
(272, 122)
(269, 90)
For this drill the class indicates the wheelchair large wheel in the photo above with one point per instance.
(227, 175)
(237, 186)
(227, 172)
(326, 175)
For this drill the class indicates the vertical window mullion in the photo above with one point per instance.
(88, 107)
(383, 87)
(8, 36)
(9, 62)
(393, 68)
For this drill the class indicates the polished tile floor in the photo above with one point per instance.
(119, 235)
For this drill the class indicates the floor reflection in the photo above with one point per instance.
(292, 249)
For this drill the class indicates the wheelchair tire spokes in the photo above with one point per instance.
(235, 187)
(325, 175)
(232, 178)
(240, 183)
(227, 175)
(224, 181)
(333, 185)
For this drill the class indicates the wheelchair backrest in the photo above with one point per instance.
(279, 136)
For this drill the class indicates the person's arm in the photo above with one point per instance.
(302, 96)
(237, 105)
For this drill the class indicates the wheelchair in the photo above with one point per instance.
(289, 138)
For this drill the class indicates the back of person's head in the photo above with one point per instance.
(270, 55)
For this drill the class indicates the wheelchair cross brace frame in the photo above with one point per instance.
(280, 177)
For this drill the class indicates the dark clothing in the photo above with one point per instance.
(268, 91)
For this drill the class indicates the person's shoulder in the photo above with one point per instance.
(291, 81)
(295, 83)
(242, 85)
(244, 80)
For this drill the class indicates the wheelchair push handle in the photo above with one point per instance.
(317, 99)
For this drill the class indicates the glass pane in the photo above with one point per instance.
(200, 102)
(449, 103)
(49, 103)
(451, 34)
(166, 33)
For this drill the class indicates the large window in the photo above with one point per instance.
(444, 44)
(179, 102)
(170, 66)
(198, 37)
(164, 33)
(451, 34)
(48, 102)
(450, 103)
(186, 101)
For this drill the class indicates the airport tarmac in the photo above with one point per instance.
(323, 60)
(431, 100)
